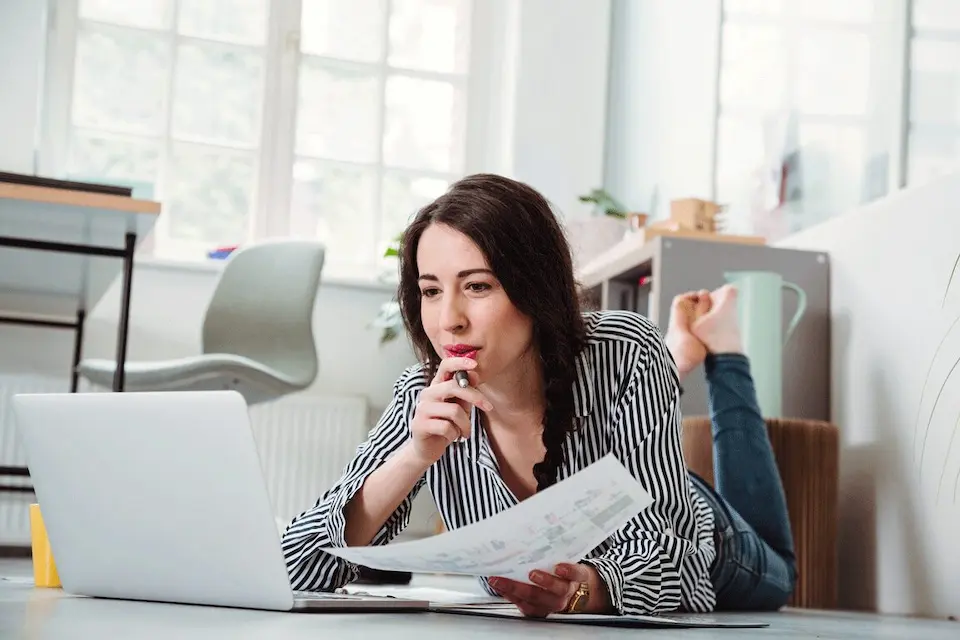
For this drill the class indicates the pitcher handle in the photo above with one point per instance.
(801, 308)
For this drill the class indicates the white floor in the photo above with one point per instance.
(785, 624)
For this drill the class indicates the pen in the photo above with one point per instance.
(462, 380)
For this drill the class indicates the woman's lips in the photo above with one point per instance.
(462, 352)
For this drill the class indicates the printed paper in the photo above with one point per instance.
(560, 524)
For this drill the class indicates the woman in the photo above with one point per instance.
(487, 287)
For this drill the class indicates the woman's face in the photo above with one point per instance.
(464, 309)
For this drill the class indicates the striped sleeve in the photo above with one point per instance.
(641, 563)
(323, 525)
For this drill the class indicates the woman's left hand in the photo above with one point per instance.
(551, 592)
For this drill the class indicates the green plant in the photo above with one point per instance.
(604, 203)
(388, 318)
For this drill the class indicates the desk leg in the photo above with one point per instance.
(77, 350)
(123, 328)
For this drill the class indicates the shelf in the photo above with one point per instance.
(633, 257)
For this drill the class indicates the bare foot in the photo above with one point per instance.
(719, 329)
(687, 350)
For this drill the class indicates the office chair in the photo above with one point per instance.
(257, 335)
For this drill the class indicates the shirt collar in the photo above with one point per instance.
(583, 395)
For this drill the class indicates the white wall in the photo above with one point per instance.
(662, 100)
(21, 60)
(559, 89)
(895, 306)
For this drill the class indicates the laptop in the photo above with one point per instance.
(161, 497)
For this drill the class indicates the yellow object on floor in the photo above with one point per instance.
(44, 568)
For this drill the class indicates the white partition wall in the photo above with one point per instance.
(895, 306)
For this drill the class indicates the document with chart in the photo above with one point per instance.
(560, 524)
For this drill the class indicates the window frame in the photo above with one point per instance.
(898, 127)
(483, 127)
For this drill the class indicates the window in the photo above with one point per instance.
(934, 128)
(333, 119)
(804, 83)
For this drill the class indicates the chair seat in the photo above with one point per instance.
(206, 371)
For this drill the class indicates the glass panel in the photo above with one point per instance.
(754, 66)
(740, 156)
(121, 79)
(352, 29)
(831, 169)
(402, 196)
(833, 73)
(432, 35)
(936, 14)
(840, 11)
(935, 82)
(210, 193)
(115, 160)
(239, 21)
(218, 94)
(149, 14)
(754, 7)
(337, 113)
(932, 153)
(424, 124)
(335, 203)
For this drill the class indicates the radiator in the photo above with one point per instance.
(304, 441)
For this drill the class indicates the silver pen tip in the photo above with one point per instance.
(462, 379)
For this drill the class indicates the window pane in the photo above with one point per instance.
(740, 156)
(432, 35)
(218, 94)
(150, 14)
(121, 80)
(833, 73)
(115, 160)
(841, 11)
(337, 113)
(754, 7)
(831, 169)
(936, 14)
(240, 21)
(932, 153)
(935, 82)
(351, 29)
(424, 125)
(402, 196)
(754, 66)
(209, 194)
(335, 203)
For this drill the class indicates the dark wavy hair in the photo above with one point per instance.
(517, 231)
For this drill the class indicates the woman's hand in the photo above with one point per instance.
(443, 412)
(551, 592)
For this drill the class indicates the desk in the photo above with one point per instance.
(60, 250)
(26, 612)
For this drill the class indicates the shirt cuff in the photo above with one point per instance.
(612, 576)
(336, 519)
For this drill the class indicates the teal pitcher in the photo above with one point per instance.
(760, 311)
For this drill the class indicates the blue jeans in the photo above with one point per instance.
(755, 568)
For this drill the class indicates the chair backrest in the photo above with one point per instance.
(262, 307)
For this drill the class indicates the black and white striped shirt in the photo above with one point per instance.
(627, 396)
